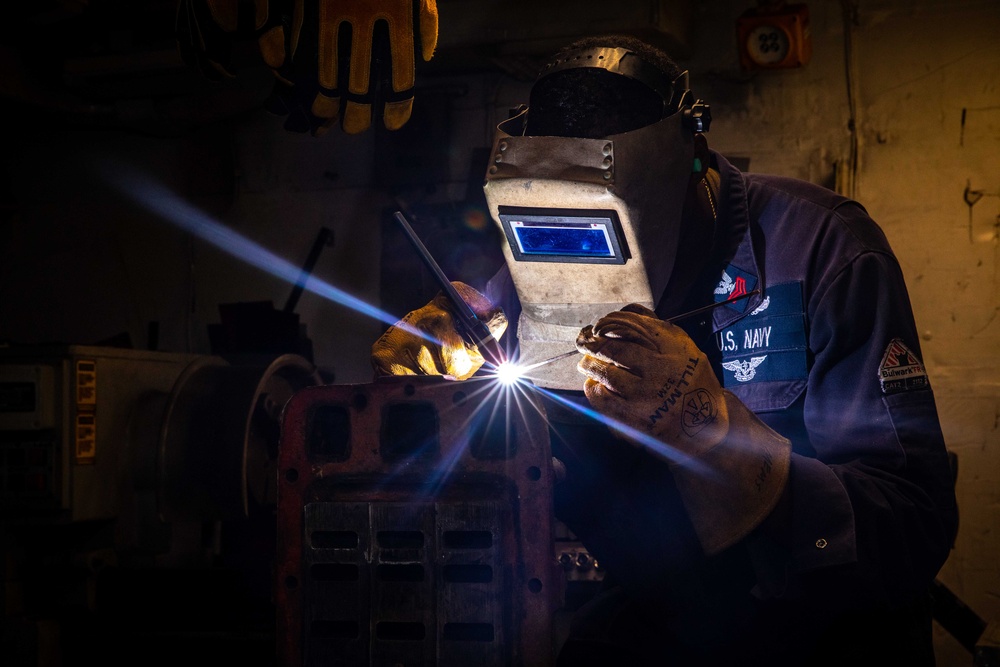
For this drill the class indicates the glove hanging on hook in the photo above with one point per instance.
(346, 61)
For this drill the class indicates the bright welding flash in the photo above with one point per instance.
(508, 373)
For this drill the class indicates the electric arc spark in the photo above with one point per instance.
(508, 373)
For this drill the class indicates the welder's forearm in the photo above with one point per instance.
(733, 488)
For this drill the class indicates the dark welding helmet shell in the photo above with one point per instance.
(600, 91)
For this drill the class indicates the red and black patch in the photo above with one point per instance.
(901, 369)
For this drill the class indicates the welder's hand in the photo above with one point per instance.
(649, 376)
(427, 341)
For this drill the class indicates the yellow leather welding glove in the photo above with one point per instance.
(334, 60)
(377, 73)
(650, 377)
(345, 60)
(427, 341)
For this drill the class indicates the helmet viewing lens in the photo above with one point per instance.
(563, 235)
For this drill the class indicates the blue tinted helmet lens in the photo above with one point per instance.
(577, 240)
(564, 235)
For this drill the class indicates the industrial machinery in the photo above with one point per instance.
(138, 501)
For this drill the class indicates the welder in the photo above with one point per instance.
(765, 484)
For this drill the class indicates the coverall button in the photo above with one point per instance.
(821, 543)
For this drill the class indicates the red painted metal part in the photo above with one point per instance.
(415, 526)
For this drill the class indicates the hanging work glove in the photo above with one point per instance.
(321, 78)
(427, 342)
(650, 377)
(375, 69)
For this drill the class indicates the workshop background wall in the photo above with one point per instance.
(899, 105)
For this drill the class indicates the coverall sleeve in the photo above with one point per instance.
(873, 512)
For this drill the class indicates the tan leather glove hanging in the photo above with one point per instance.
(648, 375)
(427, 342)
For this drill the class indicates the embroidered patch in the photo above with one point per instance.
(743, 371)
(735, 282)
(762, 307)
(900, 369)
(768, 344)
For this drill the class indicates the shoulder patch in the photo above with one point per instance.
(900, 369)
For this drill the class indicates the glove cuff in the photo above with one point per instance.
(731, 488)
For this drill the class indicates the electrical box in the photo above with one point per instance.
(64, 426)
(774, 36)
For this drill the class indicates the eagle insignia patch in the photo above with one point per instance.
(744, 370)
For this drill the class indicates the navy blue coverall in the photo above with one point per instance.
(828, 356)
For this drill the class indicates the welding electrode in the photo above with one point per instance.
(682, 316)
(473, 329)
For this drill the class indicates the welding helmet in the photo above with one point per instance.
(591, 224)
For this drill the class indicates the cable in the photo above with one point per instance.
(849, 188)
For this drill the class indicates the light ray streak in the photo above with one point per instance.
(522, 392)
(172, 208)
(659, 448)
(463, 442)
(485, 396)
(167, 205)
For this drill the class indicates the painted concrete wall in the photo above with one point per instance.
(80, 264)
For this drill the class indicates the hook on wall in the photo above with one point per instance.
(971, 197)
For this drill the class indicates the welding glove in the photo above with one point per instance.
(651, 378)
(379, 67)
(343, 60)
(427, 341)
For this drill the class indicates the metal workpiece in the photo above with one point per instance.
(577, 563)
(415, 526)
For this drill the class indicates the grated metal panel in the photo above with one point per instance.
(415, 527)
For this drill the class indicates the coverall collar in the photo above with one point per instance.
(739, 242)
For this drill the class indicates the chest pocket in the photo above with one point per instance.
(762, 358)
